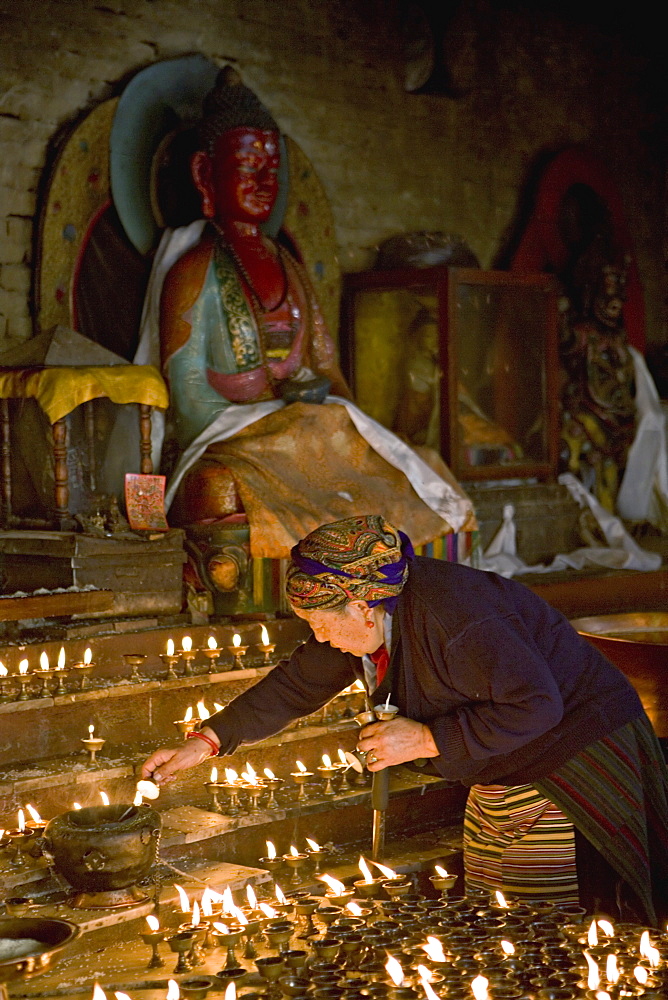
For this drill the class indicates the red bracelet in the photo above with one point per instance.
(207, 739)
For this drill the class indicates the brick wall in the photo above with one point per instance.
(331, 72)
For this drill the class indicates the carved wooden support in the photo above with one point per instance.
(5, 463)
(146, 464)
(62, 492)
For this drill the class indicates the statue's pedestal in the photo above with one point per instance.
(546, 518)
(144, 575)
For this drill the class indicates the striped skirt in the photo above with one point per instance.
(519, 842)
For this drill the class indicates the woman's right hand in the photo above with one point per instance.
(163, 765)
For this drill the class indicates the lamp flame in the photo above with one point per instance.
(189, 714)
(336, 887)
(23, 667)
(88, 656)
(479, 988)
(268, 910)
(34, 815)
(508, 948)
(22, 820)
(606, 927)
(250, 774)
(300, 767)
(170, 647)
(501, 899)
(227, 901)
(61, 659)
(354, 908)
(434, 949)
(271, 850)
(183, 896)
(186, 644)
(641, 974)
(281, 898)
(611, 969)
(105, 798)
(236, 639)
(231, 777)
(138, 799)
(195, 917)
(91, 731)
(293, 851)
(594, 977)
(268, 773)
(425, 981)
(648, 951)
(44, 661)
(342, 756)
(326, 760)
(384, 870)
(211, 643)
(153, 922)
(592, 935)
(441, 872)
(251, 897)
(394, 970)
(207, 905)
(3, 669)
(364, 868)
(202, 711)
(230, 991)
(214, 775)
(76, 805)
(265, 636)
(314, 845)
(98, 993)
(173, 991)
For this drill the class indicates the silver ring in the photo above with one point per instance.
(372, 758)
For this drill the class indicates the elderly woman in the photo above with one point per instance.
(496, 690)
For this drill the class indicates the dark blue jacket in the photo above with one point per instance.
(507, 686)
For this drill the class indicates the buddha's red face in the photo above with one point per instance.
(239, 182)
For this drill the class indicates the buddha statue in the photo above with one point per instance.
(249, 361)
(239, 322)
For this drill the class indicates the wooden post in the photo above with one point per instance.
(146, 463)
(5, 462)
(62, 493)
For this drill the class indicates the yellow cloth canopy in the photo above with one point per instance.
(60, 389)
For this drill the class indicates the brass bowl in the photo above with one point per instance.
(637, 643)
(52, 936)
(103, 848)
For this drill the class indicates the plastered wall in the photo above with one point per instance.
(331, 72)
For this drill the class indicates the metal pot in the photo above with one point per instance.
(103, 848)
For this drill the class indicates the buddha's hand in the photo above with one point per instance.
(163, 765)
(395, 742)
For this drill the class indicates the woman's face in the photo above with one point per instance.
(243, 175)
(357, 629)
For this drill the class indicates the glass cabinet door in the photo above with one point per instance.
(460, 360)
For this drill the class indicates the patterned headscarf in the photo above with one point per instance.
(360, 558)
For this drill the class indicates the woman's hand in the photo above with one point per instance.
(163, 765)
(395, 742)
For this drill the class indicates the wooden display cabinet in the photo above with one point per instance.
(459, 359)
